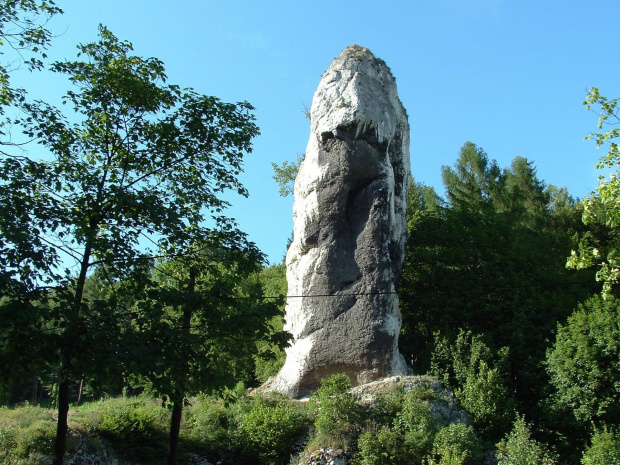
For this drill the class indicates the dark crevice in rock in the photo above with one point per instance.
(310, 242)
(353, 202)
(326, 136)
(351, 133)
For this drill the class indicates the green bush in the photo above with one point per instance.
(604, 449)
(416, 422)
(335, 412)
(36, 439)
(271, 361)
(384, 447)
(478, 376)
(269, 432)
(206, 423)
(137, 430)
(121, 418)
(583, 362)
(8, 441)
(386, 407)
(27, 435)
(457, 444)
(23, 416)
(409, 437)
(520, 449)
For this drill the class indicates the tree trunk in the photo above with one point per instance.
(175, 428)
(80, 390)
(63, 392)
(177, 407)
(34, 390)
(61, 430)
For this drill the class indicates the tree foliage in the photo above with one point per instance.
(24, 34)
(206, 316)
(457, 444)
(333, 408)
(600, 247)
(490, 259)
(274, 285)
(519, 448)
(480, 380)
(604, 448)
(24, 39)
(199, 320)
(139, 159)
(285, 175)
(583, 362)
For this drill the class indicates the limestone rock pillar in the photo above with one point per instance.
(350, 230)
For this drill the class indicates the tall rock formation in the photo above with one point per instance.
(350, 230)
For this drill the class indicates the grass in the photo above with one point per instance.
(237, 429)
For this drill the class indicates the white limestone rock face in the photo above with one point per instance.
(350, 230)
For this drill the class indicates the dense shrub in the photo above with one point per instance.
(137, 429)
(416, 422)
(36, 439)
(207, 426)
(386, 407)
(583, 362)
(267, 431)
(409, 436)
(478, 376)
(27, 435)
(333, 408)
(383, 447)
(520, 449)
(457, 444)
(604, 449)
(7, 441)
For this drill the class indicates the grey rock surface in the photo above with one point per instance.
(350, 230)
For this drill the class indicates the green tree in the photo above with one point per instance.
(474, 181)
(24, 39)
(198, 324)
(138, 159)
(457, 444)
(519, 448)
(603, 450)
(599, 248)
(412, 427)
(384, 447)
(333, 408)
(583, 363)
(273, 281)
(23, 30)
(491, 259)
(418, 299)
(268, 430)
(285, 175)
(479, 379)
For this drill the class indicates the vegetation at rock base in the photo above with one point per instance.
(239, 429)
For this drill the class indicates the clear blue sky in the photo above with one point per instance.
(509, 75)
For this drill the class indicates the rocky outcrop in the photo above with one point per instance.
(444, 406)
(350, 230)
(371, 397)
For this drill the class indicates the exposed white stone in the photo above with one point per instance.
(349, 230)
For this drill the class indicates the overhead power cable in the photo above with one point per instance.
(438, 290)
